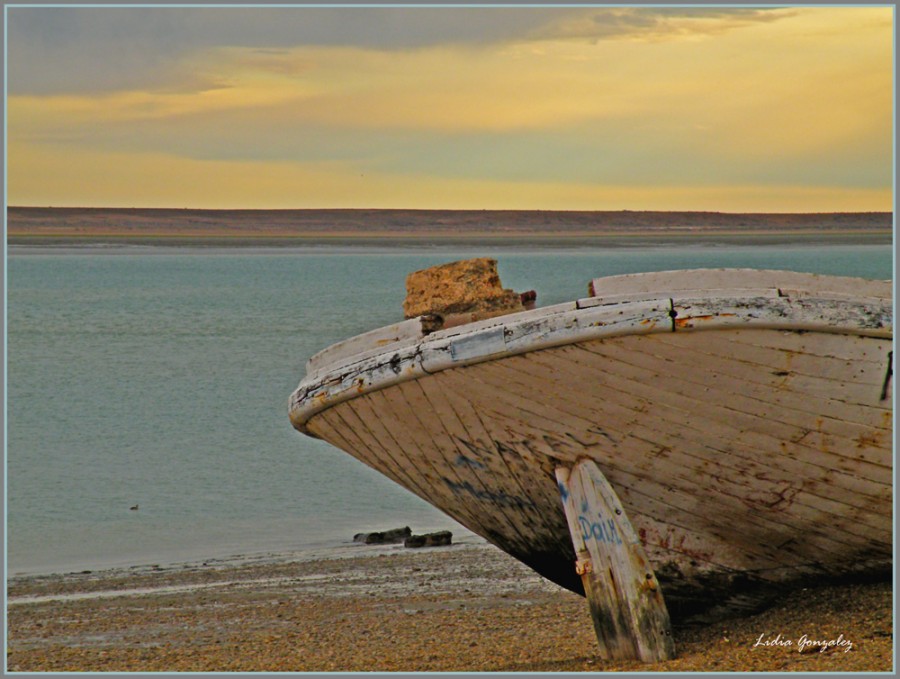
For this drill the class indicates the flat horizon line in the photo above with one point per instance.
(403, 209)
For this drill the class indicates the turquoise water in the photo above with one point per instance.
(160, 378)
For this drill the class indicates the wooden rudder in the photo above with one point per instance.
(627, 606)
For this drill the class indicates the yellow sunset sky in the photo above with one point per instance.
(591, 108)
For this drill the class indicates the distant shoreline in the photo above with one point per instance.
(530, 241)
(278, 228)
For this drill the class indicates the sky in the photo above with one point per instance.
(733, 109)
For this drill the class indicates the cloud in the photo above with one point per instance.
(101, 49)
(160, 180)
(444, 89)
(654, 23)
(95, 49)
(778, 100)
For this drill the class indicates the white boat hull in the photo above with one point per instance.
(748, 434)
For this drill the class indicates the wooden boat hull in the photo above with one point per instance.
(747, 433)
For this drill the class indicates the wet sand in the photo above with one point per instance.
(462, 608)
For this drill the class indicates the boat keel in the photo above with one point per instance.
(627, 606)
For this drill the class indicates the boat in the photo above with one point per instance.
(734, 425)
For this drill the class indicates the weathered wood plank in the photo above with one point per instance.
(674, 539)
(532, 476)
(691, 379)
(458, 484)
(348, 431)
(732, 536)
(839, 382)
(542, 329)
(384, 439)
(725, 279)
(679, 473)
(478, 522)
(746, 431)
(417, 442)
(361, 345)
(331, 427)
(623, 416)
(758, 431)
(815, 345)
(837, 314)
(771, 351)
(625, 599)
(684, 509)
(495, 488)
(755, 414)
(357, 440)
(604, 299)
(708, 430)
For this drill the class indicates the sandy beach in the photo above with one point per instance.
(462, 608)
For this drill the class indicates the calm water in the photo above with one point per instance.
(161, 378)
